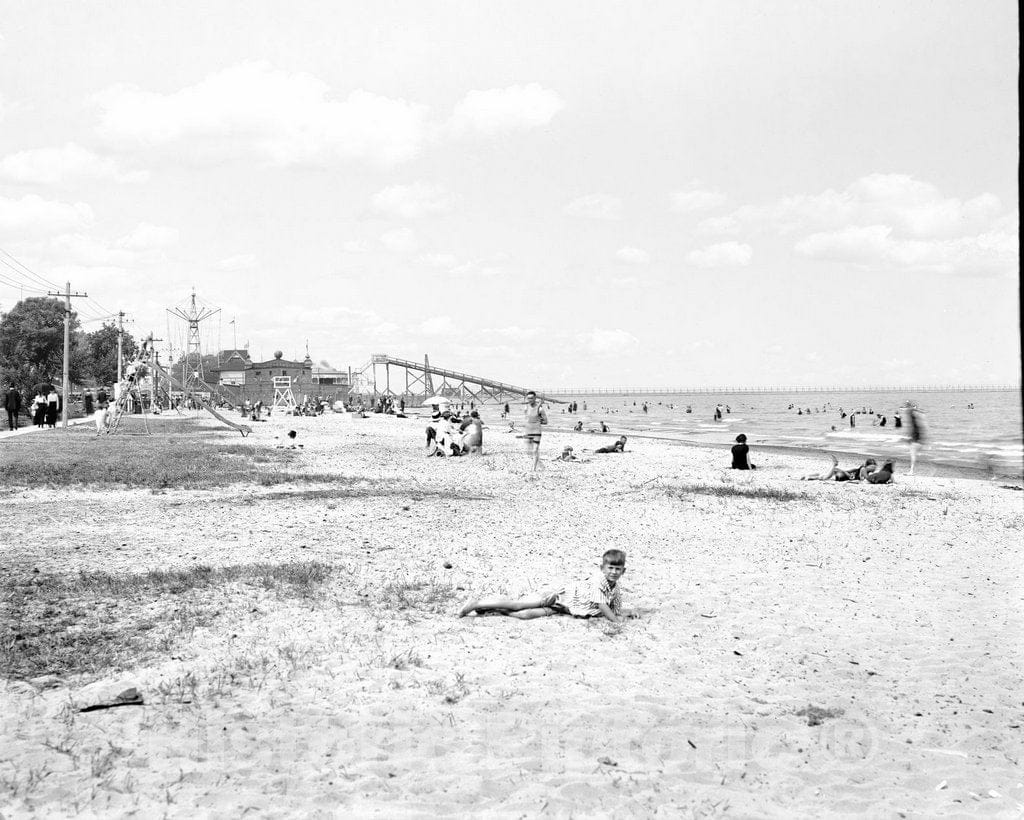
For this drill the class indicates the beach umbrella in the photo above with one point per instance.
(436, 400)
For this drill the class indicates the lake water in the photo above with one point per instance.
(987, 437)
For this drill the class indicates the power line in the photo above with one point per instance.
(31, 286)
(19, 285)
(26, 269)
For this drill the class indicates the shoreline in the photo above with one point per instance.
(901, 458)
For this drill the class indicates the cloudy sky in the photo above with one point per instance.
(549, 193)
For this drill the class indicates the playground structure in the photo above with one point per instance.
(413, 380)
(143, 376)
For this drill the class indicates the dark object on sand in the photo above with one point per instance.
(816, 715)
(129, 697)
(883, 476)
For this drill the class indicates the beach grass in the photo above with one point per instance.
(98, 622)
(685, 491)
(178, 454)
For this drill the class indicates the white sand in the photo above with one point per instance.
(900, 605)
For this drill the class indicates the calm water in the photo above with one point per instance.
(987, 437)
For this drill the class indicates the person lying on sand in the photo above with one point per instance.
(837, 473)
(618, 447)
(600, 595)
(568, 455)
(883, 476)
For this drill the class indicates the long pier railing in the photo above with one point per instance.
(661, 391)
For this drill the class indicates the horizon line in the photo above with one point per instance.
(933, 388)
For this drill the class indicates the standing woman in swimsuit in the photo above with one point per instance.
(915, 432)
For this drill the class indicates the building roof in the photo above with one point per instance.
(272, 363)
(226, 355)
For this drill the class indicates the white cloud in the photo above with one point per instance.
(51, 166)
(632, 256)
(255, 110)
(595, 206)
(437, 326)
(911, 207)
(516, 333)
(992, 253)
(82, 250)
(400, 240)
(411, 201)
(34, 215)
(385, 329)
(241, 261)
(722, 255)
(498, 110)
(605, 342)
(694, 198)
(853, 243)
(719, 225)
(492, 265)
(440, 261)
(146, 236)
(354, 246)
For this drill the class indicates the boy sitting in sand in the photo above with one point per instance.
(600, 595)
(568, 455)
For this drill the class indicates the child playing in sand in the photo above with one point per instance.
(600, 595)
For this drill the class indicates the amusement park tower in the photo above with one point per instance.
(193, 311)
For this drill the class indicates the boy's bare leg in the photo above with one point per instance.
(505, 605)
(530, 614)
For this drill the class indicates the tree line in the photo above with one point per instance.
(32, 347)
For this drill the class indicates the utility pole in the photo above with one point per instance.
(154, 376)
(120, 336)
(67, 294)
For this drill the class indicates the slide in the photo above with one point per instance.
(244, 429)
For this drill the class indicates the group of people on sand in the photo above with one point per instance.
(450, 435)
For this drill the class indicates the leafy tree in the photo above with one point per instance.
(32, 343)
(101, 352)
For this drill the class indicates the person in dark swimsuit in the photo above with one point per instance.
(839, 474)
(883, 476)
(618, 447)
(739, 454)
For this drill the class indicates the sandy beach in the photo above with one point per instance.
(820, 649)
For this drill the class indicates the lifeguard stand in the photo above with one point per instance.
(284, 399)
